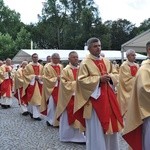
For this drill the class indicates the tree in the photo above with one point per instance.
(7, 46)
(66, 24)
(84, 17)
(145, 25)
(120, 33)
(9, 27)
(23, 40)
(10, 21)
(51, 23)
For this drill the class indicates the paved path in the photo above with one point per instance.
(19, 132)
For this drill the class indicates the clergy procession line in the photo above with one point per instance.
(93, 102)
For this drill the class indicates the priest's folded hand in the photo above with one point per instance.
(36, 78)
(104, 78)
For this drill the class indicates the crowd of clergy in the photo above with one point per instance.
(94, 101)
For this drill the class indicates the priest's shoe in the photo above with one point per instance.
(37, 119)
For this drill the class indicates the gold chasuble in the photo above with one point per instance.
(50, 79)
(139, 107)
(18, 86)
(66, 94)
(32, 89)
(18, 78)
(106, 105)
(126, 80)
(116, 66)
(6, 80)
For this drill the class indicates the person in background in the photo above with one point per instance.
(18, 87)
(115, 65)
(48, 59)
(32, 87)
(6, 84)
(69, 126)
(96, 102)
(127, 74)
(137, 123)
(51, 78)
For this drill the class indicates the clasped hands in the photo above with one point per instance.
(105, 78)
(38, 78)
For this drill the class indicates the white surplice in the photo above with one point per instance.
(96, 139)
(67, 133)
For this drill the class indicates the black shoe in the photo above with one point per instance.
(26, 113)
(48, 124)
(82, 143)
(8, 106)
(37, 119)
(4, 106)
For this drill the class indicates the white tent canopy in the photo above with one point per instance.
(25, 54)
(138, 43)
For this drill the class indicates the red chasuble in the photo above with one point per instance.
(19, 93)
(70, 106)
(6, 85)
(55, 90)
(134, 138)
(106, 106)
(30, 88)
(22, 99)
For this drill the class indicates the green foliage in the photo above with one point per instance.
(145, 25)
(64, 24)
(120, 33)
(9, 21)
(10, 26)
(23, 39)
(6, 46)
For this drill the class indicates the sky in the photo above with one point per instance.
(135, 11)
